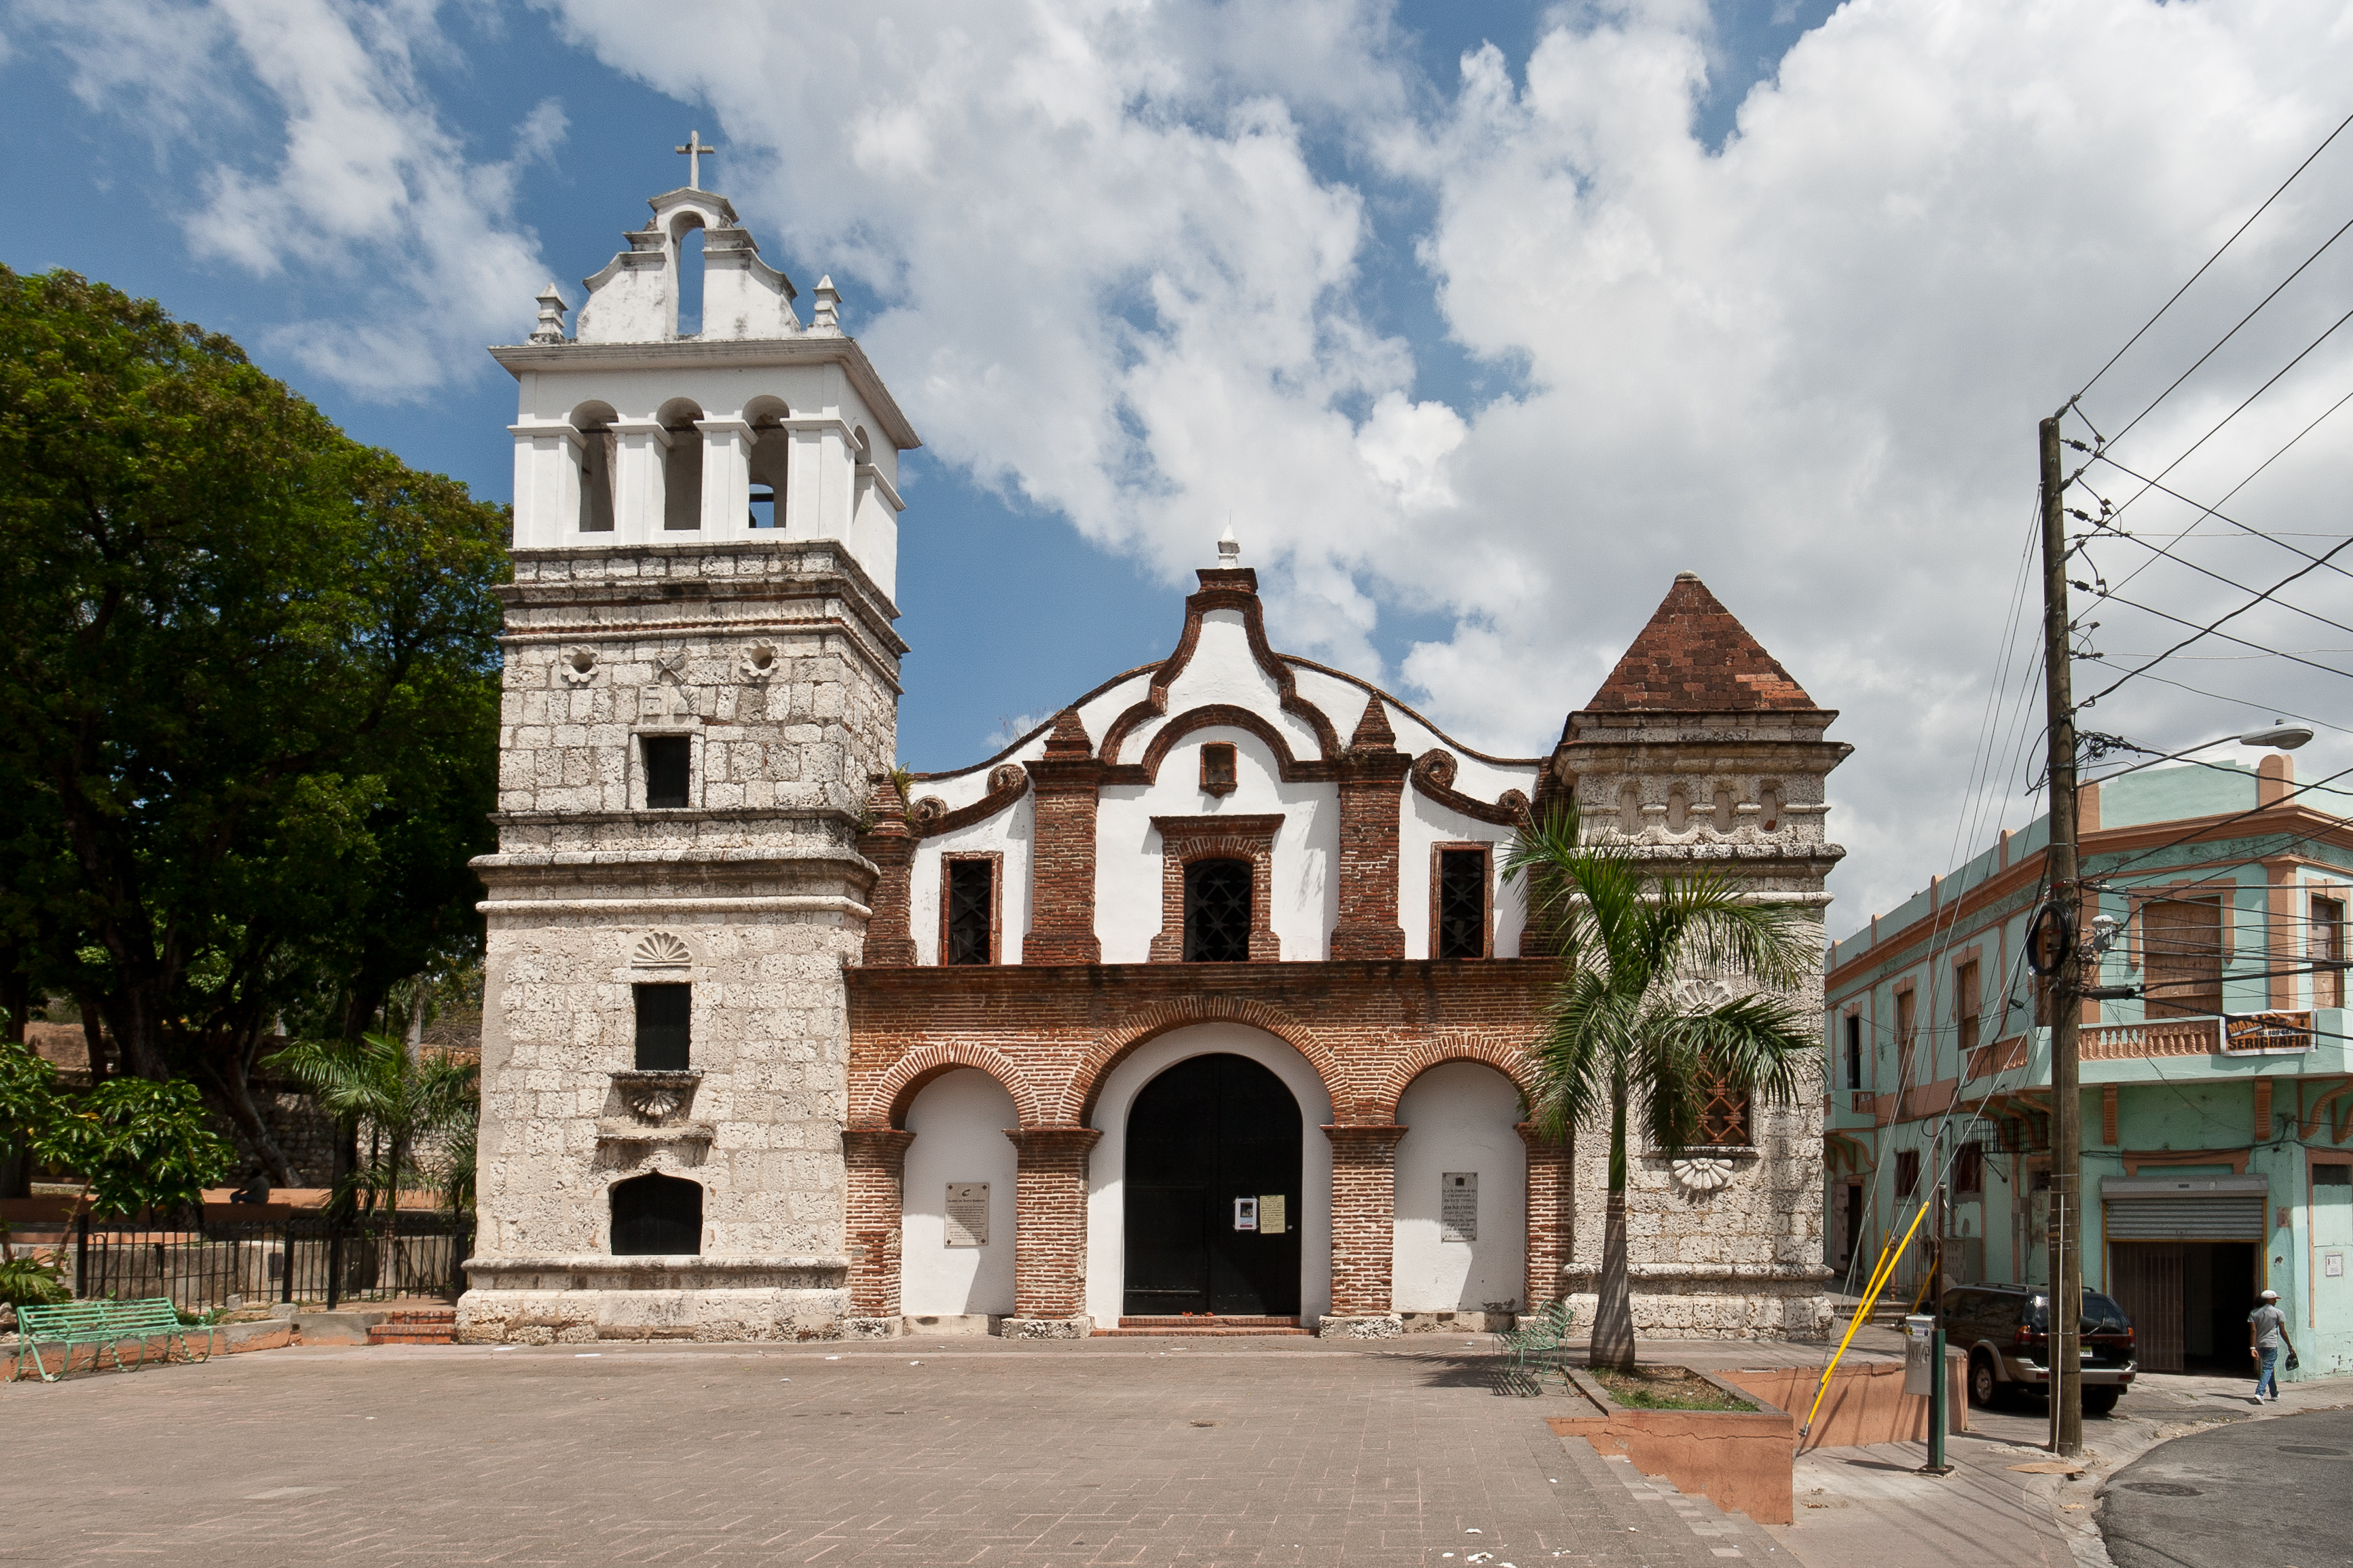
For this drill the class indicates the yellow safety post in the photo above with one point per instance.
(1884, 1271)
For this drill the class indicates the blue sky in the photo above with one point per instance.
(1479, 320)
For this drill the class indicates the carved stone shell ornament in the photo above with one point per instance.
(1698, 1175)
(661, 950)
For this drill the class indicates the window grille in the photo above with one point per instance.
(1723, 1114)
(1462, 903)
(668, 767)
(664, 1015)
(971, 912)
(1218, 911)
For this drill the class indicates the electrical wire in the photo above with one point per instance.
(2210, 629)
(2210, 261)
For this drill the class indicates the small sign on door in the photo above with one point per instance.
(2332, 1265)
(1457, 1206)
(1273, 1214)
(1245, 1213)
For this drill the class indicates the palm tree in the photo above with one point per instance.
(407, 1102)
(1624, 1032)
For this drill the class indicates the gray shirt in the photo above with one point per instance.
(2268, 1324)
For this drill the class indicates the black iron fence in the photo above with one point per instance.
(304, 1258)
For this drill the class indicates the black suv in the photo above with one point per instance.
(2005, 1328)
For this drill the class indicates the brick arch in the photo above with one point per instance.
(1506, 1055)
(885, 1103)
(1086, 1082)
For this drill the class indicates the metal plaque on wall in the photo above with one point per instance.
(1457, 1206)
(967, 1221)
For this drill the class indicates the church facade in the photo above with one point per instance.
(1205, 1003)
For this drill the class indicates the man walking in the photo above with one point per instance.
(2266, 1331)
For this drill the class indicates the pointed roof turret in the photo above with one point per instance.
(1373, 731)
(1696, 656)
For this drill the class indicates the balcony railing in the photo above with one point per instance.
(2214, 1035)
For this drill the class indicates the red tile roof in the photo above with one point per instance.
(1696, 658)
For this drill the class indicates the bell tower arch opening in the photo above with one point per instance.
(772, 445)
(686, 240)
(681, 465)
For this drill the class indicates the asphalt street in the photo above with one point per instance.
(2253, 1492)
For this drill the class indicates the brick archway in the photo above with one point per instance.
(884, 1103)
(1077, 1102)
(1506, 1055)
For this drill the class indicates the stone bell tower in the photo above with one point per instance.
(700, 678)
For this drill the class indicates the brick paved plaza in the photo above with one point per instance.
(1226, 1452)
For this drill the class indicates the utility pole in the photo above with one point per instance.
(1939, 1391)
(2065, 1317)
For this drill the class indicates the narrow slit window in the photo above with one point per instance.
(1965, 1007)
(669, 766)
(1218, 767)
(1218, 911)
(2327, 945)
(1907, 1172)
(1462, 903)
(665, 1027)
(972, 910)
(1854, 1050)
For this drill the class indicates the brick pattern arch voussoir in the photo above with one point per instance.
(885, 1102)
(1086, 1082)
(1505, 1053)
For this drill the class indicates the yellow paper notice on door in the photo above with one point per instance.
(1270, 1216)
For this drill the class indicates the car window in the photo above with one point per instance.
(2101, 1315)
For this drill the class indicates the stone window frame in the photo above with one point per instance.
(995, 858)
(1486, 850)
(1184, 839)
(687, 723)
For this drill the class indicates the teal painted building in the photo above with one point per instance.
(2217, 1104)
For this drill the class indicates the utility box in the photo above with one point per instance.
(1919, 1355)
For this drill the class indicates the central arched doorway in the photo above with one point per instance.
(1213, 1191)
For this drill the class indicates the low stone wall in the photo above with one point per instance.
(1737, 1459)
(1865, 1403)
(580, 1299)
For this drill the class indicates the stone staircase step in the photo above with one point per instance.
(1201, 1325)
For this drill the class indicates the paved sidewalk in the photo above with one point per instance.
(918, 1452)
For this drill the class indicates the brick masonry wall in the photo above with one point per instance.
(1363, 1228)
(1050, 1260)
(1062, 867)
(876, 1159)
(1372, 794)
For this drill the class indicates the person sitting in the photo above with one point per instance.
(255, 1190)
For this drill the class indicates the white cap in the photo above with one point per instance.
(2271, 1295)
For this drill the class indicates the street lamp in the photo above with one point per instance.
(2277, 737)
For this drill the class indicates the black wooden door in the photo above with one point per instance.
(1205, 1133)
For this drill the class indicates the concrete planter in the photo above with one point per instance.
(1737, 1459)
(1865, 1403)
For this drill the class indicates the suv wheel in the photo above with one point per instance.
(2100, 1401)
(1985, 1388)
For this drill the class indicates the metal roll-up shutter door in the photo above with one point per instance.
(2194, 1208)
(2215, 1217)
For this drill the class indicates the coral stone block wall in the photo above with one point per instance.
(777, 666)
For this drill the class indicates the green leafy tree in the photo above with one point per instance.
(247, 694)
(1625, 1038)
(417, 1110)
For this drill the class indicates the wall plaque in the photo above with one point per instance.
(967, 1215)
(1272, 1213)
(1457, 1206)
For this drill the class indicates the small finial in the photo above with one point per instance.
(694, 152)
(827, 316)
(551, 316)
(1229, 549)
(1686, 576)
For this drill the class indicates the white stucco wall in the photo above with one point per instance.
(1422, 827)
(1106, 1194)
(1461, 1117)
(1010, 832)
(959, 1122)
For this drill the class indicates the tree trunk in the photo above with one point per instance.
(1613, 1314)
(233, 1092)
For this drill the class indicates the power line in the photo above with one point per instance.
(2268, 536)
(2237, 816)
(2210, 630)
(2210, 261)
(2102, 531)
(2233, 332)
(2256, 707)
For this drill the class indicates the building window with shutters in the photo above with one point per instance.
(665, 1014)
(968, 922)
(1907, 1172)
(1907, 1018)
(1965, 1008)
(1854, 1050)
(1969, 1171)
(2181, 956)
(1218, 911)
(1460, 919)
(2325, 944)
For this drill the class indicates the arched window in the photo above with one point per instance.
(770, 448)
(681, 465)
(656, 1216)
(595, 423)
(686, 243)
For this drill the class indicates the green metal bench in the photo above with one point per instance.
(1541, 1339)
(103, 1325)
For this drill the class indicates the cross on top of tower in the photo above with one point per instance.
(694, 148)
